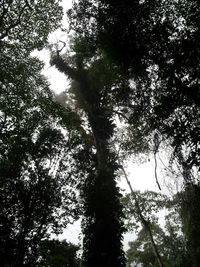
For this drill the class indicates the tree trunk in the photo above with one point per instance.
(190, 213)
(102, 225)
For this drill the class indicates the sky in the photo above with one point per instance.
(141, 176)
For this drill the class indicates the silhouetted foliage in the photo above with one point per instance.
(55, 253)
(168, 237)
(156, 45)
(37, 191)
(138, 60)
(34, 169)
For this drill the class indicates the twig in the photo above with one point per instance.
(155, 171)
(64, 45)
(156, 146)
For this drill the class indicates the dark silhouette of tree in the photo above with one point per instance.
(190, 217)
(93, 80)
(155, 43)
(138, 60)
(35, 175)
(37, 190)
(55, 253)
(169, 239)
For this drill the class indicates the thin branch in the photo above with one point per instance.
(156, 146)
(64, 45)
(120, 114)
(155, 171)
(144, 222)
(173, 172)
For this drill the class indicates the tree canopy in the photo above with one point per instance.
(133, 68)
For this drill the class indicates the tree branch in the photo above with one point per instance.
(155, 171)
(63, 67)
(144, 222)
(156, 146)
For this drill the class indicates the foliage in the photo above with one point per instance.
(55, 253)
(148, 41)
(157, 44)
(150, 204)
(35, 180)
(25, 25)
(140, 250)
(94, 86)
(37, 191)
(136, 59)
(169, 241)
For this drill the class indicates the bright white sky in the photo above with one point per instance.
(142, 176)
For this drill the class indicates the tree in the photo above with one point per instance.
(157, 43)
(141, 38)
(190, 218)
(169, 241)
(129, 58)
(35, 181)
(140, 250)
(55, 253)
(27, 24)
(141, 34)
(37, 190)
(143, 215)
(145, 38)
(92, 81)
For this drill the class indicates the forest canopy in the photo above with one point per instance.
(133, 72)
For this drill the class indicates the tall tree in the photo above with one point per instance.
(35, 192)
(35, 178)
(150, 40)
(95, 84)
(168, 239)
(157, 44)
